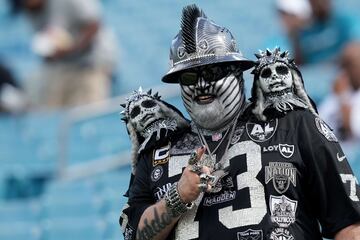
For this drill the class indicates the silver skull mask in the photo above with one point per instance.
(275, 77)
(144, 112)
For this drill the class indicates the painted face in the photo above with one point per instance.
(275, 77)
(144, 112)
(211, 95)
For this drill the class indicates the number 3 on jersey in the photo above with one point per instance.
(227, 216)
(257, 210)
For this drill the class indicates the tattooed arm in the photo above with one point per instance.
(156, 222)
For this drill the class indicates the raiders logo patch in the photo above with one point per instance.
(161, 155)
(281, 174)
(261, 132)
(157, 173)
(281, 234)
(250, 235)
(282, 210)
(325, 130)
(286, 150)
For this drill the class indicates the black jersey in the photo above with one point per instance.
(288, 179)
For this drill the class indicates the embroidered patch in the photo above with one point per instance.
(157, 173)
(281, 234)
(161, 191)
(250, 234)
(282, 210)
(286, 150)
(325, 130)
(261, 132)
(223, 197)
(161, 155)
(281, 174)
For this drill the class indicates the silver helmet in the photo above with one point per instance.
(201, 42)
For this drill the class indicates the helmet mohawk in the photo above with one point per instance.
(190, 14)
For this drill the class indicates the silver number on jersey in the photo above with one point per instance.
(257, 210)
(227, 216)
(353, 181)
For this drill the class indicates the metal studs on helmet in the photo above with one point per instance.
(201, 42)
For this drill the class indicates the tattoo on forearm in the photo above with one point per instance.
(155, 226)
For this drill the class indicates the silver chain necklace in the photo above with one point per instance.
(218, 165)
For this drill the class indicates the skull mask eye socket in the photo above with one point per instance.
(282, 70)
(148, 104)
(265, 73)
(134, 112)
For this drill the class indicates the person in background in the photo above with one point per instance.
(79, 53)
(12, 96)
(316, 31)
(341, 108)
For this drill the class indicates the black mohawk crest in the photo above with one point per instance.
(188, 26)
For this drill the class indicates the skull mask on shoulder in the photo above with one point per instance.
(149, 120)
(278, 85)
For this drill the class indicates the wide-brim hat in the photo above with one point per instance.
(201, 42)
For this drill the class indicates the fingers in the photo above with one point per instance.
(195, 156)
(197, 175)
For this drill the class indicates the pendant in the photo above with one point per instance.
(216, 137)
(216, 184)
(207, 161)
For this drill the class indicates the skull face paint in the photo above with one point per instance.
(143, 112)
(213, 102)
(275, 77)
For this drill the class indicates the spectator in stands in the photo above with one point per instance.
(341, 109)
(12, 97)
(79, 53)
(316, 32)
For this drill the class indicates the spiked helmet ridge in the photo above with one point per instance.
(201, 42)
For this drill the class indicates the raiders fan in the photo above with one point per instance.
(236, 176)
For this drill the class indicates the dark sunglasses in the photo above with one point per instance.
(209, 74)
(281, 70)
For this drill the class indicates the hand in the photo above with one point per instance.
(188, 185)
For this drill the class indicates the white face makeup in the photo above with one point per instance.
(275, 77)
(143, 112)
(211, 104)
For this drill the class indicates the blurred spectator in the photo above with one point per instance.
(79, 53)
(12, 97)
(341, 109)
(316, 32)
